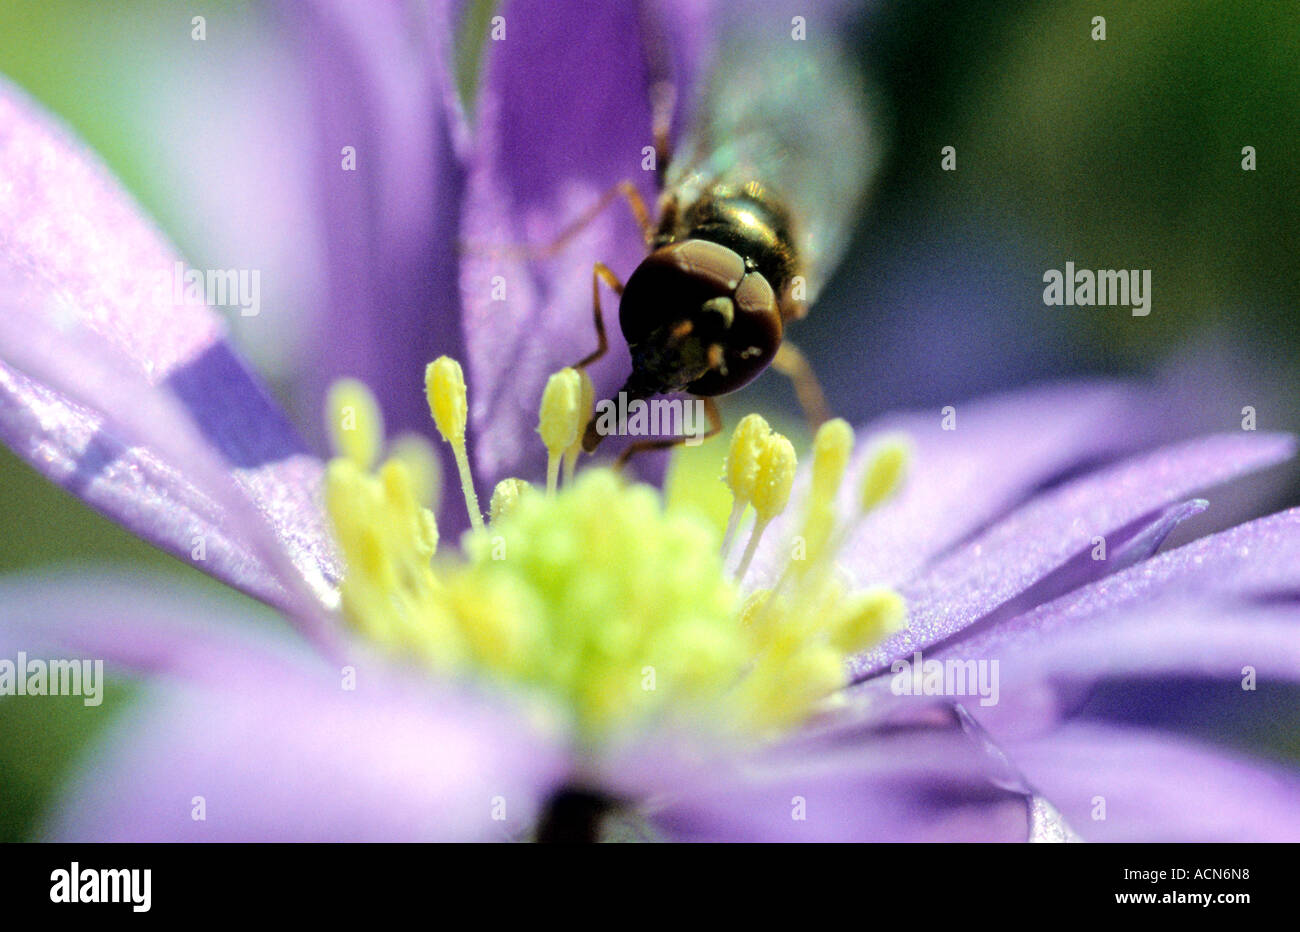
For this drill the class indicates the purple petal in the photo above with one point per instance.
(380, 75)
(917, 787)
(1125, 547)
(1185, 613)
(1055, 527)
(271, 738)
(388, 762)
(1001, 449)
(1159, 789)
(1205, 638)
(142, 625)
(148, 459)
(85, 335)
(563, 115)
(65, 221)
(959, 480)
(1255, 560)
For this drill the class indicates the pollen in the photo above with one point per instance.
(773, 480)
(505, 498)
(560, 420)
(832, 448)
(587, 408)
(595, 598)
(423, 465)
(886, 464)
(444, 384)
(354, 422)
(741, 470)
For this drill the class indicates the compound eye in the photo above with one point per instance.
(755, 296)
(750, 342)
(705, 285)
(676, 282)
(711, 264)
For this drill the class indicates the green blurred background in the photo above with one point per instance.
(1117, 154)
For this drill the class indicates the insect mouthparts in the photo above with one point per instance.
(622, 400)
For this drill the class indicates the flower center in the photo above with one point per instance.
(594, 592)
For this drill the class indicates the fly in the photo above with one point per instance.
(752, 214)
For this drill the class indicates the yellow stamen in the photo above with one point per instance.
(422, 462)
(558, 417)
(771, 490)
(741, 469)
(886, 466)
(587, 408)
(407, 516)
(444, 385)
(776, 467)
(505, 498)
(386, 539)
(355, 424)
(597, 596)
(832, 448)
(867, 618)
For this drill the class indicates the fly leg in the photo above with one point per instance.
(600, 272)
(624, 189)
(794, 365)
(642, 446)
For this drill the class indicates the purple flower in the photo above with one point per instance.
(1026, 533)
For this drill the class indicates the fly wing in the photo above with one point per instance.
(793, 116)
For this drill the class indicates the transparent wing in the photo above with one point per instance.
(794, 116)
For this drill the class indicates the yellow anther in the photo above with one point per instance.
(771, 490)
(444, 385)
(558, 419)
(753, 604)
(355, 424)
(498, 624)
(832, 448)
(884, 473)
(405, 513)
(422, 463)
(587, 407)
(560, 410)
(741, 469)
(811, 674)
(742, 460)
(353, 497)
(775, 479)
(345, 494)
(787, 681)
(867, 618)
(427, 531)
(615, 606)
(505, 498)
(818, 531)
(399, 493)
